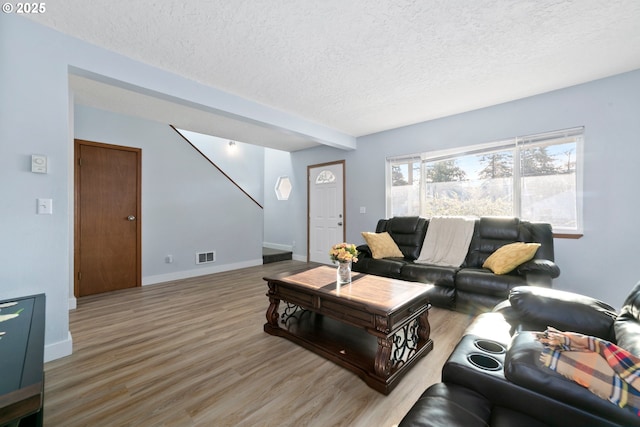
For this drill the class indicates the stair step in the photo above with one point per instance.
(274, 255)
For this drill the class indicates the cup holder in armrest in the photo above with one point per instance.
(490, 346)
(484, 361)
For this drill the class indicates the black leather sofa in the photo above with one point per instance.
(494, 376)
(469, 288)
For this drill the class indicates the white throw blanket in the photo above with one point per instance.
(447, 241)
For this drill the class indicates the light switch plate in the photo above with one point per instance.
(45, 206)
(38, 163)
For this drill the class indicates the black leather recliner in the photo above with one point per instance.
(494, 376)
(468, 288)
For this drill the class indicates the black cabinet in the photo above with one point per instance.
(22, 360)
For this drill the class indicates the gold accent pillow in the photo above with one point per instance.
(382, 245)
(508, 257)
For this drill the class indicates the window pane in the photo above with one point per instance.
(400, 174)
(477, 185)
(536, 178)
(549, 185)
(325, 177)
(405, 188)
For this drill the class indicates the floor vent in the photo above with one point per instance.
(205, 257)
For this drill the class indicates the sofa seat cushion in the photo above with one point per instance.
(443, 293)
(483, 281)
(442, 296)
(432, 274)
(522, 366)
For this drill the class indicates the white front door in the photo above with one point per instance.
(326, 225)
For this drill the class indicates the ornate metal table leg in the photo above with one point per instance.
(272, 311)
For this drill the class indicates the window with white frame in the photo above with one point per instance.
(536, 178)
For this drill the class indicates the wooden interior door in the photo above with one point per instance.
(107, 218)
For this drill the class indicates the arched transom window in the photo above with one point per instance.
(325, 177)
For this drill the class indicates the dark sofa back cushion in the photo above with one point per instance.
(492, 233)
(497, 228)
(407, 231)
(535, 308)
(627, 325)
(489, 235)
(541, 233)
(631, 307)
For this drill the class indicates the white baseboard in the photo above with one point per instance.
(73, 303)
(58, 349)
(178, 275)
(302, 258)
(278, 246)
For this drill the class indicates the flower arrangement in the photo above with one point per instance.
(343, 252)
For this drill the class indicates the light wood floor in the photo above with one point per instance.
(193, 353)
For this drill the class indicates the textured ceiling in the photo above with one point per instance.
(363, 66)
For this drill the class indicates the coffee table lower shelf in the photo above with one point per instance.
(351, 347)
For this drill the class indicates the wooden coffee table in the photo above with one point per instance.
(375, 326)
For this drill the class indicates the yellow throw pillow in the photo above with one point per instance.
(382, 245)
(508, 257)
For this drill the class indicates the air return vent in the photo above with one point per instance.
(205, 257)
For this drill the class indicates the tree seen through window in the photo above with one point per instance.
(533, 178)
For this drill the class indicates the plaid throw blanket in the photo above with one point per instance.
(607, 370)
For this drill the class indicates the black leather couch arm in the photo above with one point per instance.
(539, 266)
(364, 251)
(535, 308)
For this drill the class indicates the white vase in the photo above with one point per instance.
(344, 272)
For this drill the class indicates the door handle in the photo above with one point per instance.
(131, 218)
(340, 224)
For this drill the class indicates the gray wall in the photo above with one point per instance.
(188, 206)
(603, 262)
(279, 214)
(243, 163)
(36, 117)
